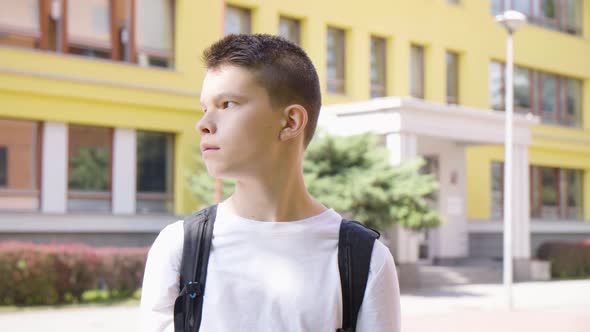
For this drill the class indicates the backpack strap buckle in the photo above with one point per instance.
(192, 289)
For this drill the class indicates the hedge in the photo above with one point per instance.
(32, 274)
(568, 259)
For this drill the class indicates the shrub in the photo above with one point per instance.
(27, 274)
(568, 260)
(122, 269)
(50, 274)
(76, 266)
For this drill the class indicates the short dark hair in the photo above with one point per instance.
(280, 66)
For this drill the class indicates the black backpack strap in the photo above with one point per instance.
(198, 235)
(355, 247)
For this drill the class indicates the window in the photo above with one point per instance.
(155, 155)
(136, 31)
(555, 99)
(237, 20)
(545, 13)
(571, 18)
(90, 166)
(548, 187)
(89, 28)
(3, 166)
(155, 33)
(378, 67)
(431, 167)
(336, 61)
(290, 29)
(496, 85)
(454, 2)
(452, 78)
(573, 191)
(497, 7)
(549, 98)
(571, 102)
(555, 193)
(19, 157)
(417, 71)
(561, 15)
(19, 23)
(522, 90)
(497, 190)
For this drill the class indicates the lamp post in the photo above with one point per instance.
(511, 20)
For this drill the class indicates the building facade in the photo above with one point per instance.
(111, 89)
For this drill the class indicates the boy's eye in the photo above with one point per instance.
(227, 104)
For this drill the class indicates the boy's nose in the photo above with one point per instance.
(205, 126)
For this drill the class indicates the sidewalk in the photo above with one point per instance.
(540, 307)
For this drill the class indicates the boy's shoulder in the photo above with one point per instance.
(381, 257)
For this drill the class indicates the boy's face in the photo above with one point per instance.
(239, 130)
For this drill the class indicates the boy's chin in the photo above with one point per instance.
(219, 173)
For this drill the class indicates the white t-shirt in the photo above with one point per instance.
(269, 276)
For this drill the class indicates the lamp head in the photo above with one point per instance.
(512, 20)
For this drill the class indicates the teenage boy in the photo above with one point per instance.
(273, 263)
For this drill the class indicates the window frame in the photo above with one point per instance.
(536, 190)
(337, 85)
(245, 11)
(378, 89)
(562, 118)
(4, 163)
(560, 23)
(168, 195)
(135, 49)
(291, 22)
(456, 57)
(421, 71)
(117, 47)
(93, 194)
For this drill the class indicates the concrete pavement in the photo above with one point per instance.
(541, 306)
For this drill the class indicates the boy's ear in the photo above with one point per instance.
(294, 122)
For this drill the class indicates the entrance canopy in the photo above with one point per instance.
(413, 127)
(409, 115)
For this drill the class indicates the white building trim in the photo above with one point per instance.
(410, 115)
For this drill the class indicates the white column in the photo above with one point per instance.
(521, 221)
(124, 171)
(54, 172)
(403, 147)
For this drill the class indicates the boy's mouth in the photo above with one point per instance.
(207, 147)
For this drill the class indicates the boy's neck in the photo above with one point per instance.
(281, 198)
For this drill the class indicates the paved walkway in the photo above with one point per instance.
(539, 307)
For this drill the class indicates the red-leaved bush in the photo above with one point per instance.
(122, 269)
(33, 274)
(568, 259)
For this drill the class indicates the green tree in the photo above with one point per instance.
(354, 176)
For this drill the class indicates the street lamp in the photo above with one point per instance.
(511, 20)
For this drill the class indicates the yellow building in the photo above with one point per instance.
(113, 87)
